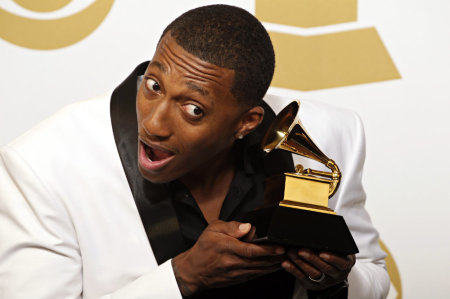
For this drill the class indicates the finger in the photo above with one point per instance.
(343, 263)
(262, 262)
(250, 250)
(252, 273)
(303, 278)
(307, 268)
(317, 262)
(251, 235)
(232, 262)
(231, 228)
(242, 275)
(291, 268)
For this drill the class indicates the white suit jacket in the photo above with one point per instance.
(69, 226)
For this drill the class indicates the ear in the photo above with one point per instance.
(250, 120)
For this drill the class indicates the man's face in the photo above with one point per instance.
(187, 116)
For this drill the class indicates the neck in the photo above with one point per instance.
(210, 186)
(212, 174)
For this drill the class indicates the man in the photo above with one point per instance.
(163, 220)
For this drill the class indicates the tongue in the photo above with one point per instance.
(160, 155)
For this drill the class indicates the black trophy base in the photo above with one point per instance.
(302, 229)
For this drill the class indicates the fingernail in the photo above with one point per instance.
(244, 227)
(325, 256)
(304, 254)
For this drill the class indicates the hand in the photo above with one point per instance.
(305, 264)
(219, 259)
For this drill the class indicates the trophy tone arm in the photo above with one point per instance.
(334, 176)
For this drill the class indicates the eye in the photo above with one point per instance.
(152, 85)
(193, 110)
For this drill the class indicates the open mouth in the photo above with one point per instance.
(152, 158)
(154, 154)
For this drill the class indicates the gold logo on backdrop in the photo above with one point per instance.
(54, 33)
(325, 60)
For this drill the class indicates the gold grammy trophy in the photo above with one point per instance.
(295, 210)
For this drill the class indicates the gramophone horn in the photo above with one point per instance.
(288, 133)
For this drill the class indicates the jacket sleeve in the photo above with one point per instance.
(340, 135)
(368, 278)
(39, 252)
(159, 283)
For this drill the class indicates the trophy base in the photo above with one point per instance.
(302, 228)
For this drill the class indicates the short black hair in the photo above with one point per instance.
(229, 37)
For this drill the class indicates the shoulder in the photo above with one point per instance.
(75, 126)
(68, 145)
(67, 124)
(316, 112)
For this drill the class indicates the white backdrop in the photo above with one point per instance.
(406, 119)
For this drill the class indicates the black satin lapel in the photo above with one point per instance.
(152, 200)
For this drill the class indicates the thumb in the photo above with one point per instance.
(233, 228)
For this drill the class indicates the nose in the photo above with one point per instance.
(157, 123)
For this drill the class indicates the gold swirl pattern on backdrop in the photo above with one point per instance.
(54, 33)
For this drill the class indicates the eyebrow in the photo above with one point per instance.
(197, 88)
(159, 65)
(191, 85)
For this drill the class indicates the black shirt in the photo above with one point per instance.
(245, 194)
